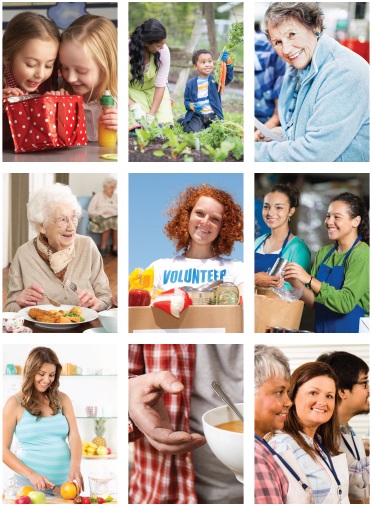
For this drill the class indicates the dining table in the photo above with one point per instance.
(89, 153)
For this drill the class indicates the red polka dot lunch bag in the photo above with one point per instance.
(46, 122)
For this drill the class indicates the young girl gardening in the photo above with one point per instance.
(88, 59)
(30, 47)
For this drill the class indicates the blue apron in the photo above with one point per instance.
(263, 263)
(327, 320)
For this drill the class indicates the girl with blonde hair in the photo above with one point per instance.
(88, 59)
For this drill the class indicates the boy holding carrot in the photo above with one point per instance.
(202, 94)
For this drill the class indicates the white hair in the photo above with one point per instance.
(269, 362)
(43, 201)
(108, 180)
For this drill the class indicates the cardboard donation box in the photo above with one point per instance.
(275, 312)
(229, 318)
(46, 122)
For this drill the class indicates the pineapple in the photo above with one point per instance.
(99, 430)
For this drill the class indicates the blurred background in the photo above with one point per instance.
(316, 192)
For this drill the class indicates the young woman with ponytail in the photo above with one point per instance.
(338, 287)
(149, 63)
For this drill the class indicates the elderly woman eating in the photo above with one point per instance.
(324, 101)
(57, 255)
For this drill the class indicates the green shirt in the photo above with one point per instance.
(355, 289)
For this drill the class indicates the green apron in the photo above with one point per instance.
(144, 96)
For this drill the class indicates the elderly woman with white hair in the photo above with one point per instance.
(278, 478)
(103, 215)
(57, 254)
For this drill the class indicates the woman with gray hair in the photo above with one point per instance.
(278, 478)
(103, 215)
(55, 255)
(323, 118)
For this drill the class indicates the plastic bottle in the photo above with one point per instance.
(106, 138)
(227, 294)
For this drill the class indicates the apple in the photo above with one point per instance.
(23, 499)
(102, 450)
(37, 497)
(109, 451)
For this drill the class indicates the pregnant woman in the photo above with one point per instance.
(42, 418)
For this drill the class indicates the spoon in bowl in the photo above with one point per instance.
(226, 399)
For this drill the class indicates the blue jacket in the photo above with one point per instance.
(330, 122)
(191, 93)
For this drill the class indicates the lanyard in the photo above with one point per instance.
(357, 457)
(328, 462)
(285, 464)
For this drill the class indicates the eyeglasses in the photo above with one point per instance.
(365, 383)
(63, 220)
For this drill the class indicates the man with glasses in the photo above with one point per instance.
(353, 389)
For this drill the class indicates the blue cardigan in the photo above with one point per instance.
(191, 93)
(331, 117)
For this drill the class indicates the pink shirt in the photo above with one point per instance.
(163, 72)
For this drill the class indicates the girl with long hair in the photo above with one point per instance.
(204, 224)
(338, 287)
(88, 57)
(149, 64)
(42, 417)
(30, 48)
(280, 204)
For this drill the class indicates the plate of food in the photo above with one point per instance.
(64, 317)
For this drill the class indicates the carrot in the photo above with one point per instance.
(221, 73)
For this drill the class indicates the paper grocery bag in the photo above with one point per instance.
(38, 123)
(275, 312)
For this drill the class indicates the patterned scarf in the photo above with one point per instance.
(57, 260)
(10, 81)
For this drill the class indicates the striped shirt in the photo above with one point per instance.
(203, 95)
(314, 469)
(43, 445)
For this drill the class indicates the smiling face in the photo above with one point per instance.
(204, 64)
(339, 224)
(154, 47)
(60, 230)
(33, 64)
(315, 402)
(79, 69)
(44, 377)
(271, 406)
(294, 42)
(358, 396)
(205, 221)
(276, 210)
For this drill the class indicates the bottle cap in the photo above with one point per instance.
(106, 99)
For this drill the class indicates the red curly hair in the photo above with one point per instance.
(180, 210)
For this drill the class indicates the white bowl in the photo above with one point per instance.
(226, 445)
(109, 320)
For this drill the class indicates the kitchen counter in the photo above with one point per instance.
(90, 153)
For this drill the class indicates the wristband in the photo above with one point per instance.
(309, 283)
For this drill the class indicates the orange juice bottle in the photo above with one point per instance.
(106, 138)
